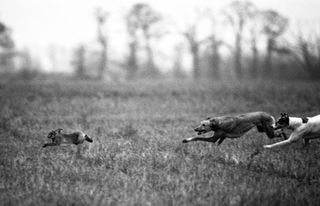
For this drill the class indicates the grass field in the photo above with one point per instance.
(137, 157)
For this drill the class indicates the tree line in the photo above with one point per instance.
(258, 46)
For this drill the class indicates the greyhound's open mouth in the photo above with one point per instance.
(202, 132)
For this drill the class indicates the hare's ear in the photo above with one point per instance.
(59, 130)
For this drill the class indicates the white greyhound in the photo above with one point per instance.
(303, 128)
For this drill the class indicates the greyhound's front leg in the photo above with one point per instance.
(50, 144)
(212, 139)
(293, 137)
(280, 133)
(221, 139)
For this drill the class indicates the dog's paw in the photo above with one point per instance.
(267, 146)
(187, 140)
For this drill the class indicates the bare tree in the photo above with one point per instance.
(255, 30)
(6, 41)
(144, 18)
(80, 61)
(101, 18)
(214, 45)
(238, 13)
(274, 25)
(6, 48)
(194, 45)
(191, 34)
(132, 29)
(177, 67)
(307, 54)
(212, 50)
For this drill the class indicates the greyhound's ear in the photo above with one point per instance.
(208, 118)
(59, 130)
(214, 123)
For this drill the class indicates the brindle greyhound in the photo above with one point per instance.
(235, 127)
(58, 138)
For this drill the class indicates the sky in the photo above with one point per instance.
(41, 24)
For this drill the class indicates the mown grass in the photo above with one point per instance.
(137, 157)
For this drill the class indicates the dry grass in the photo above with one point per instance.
(137, 157)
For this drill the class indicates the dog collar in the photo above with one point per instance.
(304, 119)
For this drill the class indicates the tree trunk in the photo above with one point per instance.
(80, 62)
(255, 58)
(151, 66)
(103, 65)
(215, 61)
(268, 69)
(132, 63)
(195, 60)
(238, 56)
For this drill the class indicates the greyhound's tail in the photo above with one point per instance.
(89, 139)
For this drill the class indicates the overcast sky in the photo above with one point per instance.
(37, 24)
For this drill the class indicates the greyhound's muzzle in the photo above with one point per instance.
(200, 131)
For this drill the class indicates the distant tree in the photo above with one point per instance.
(306, 52)
(238, 13)
(215, 63)
(6, 48)
(274, 25)
(30, 66)
(214, 43)
(2, 28)
(6, 41)
(144, 18)
(194, 45)
(101, 18)
(79, 61)
(132, 29)
(254, 29)
(191, 34)
(177, 67)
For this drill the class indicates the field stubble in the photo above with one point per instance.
(137, 157)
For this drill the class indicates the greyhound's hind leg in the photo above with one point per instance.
(260, 128)
(221, 140)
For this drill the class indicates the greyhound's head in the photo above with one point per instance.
(283, 121)
(53, 133)
(206, 126)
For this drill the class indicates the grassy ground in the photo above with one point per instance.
(137, 157)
